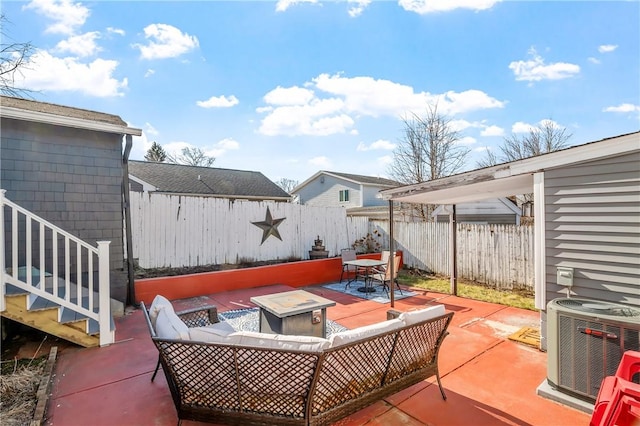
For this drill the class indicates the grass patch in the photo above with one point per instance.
(517, 298)
(18, 387)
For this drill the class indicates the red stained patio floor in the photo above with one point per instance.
(489, 380)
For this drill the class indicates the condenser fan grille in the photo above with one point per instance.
(601, 308)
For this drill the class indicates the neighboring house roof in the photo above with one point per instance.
(357, 179)
(516, 177)
(208, 181)
(42, 112)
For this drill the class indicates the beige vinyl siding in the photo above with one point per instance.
(593, 225)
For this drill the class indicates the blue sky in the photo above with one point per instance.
(291, 87)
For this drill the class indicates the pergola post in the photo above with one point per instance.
(453, 257)
(392, 252)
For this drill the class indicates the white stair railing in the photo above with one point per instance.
(37, 257)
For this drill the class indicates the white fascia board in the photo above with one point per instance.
(578, 154)
(60, 120)
(472, 191)
(309, 180)
(146, 187)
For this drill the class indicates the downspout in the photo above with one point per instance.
(131, 294)
(453, 236)
(392, 252)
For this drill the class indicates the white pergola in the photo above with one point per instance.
(514, 178)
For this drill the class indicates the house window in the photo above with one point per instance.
(344, 195)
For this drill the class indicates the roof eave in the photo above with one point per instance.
(60, 120)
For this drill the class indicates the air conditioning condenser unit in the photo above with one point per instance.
(586, 340)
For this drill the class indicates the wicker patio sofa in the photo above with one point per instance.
(218, 375)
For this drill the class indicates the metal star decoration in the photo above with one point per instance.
(269, 227)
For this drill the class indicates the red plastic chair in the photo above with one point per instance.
(618, 401)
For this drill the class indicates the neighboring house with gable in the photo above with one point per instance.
(177, 179)
(491, 211)
(334, 189)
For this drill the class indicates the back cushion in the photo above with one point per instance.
(213, 333)
(170, 326)
(281, 341)
(159, 302)
(350, 336)
(414, 317)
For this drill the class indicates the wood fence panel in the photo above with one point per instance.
(179, 231)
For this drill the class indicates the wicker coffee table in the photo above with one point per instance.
(293, 312)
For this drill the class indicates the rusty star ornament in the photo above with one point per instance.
(269, 226)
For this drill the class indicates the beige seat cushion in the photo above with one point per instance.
(170, 326)
(350, 336)
(414, 317)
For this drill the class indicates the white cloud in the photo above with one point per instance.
(467, 140)
(593, 60)
(429, 6)
(289, 96)
(148, 128)
(118, 31)
(492, 131)
(46, 72)
(218, 102)
(606, 48)
(520, 127)
(222, 147)
(67, 15)
(149, 73)
(283, 5)
(357, 7)
(321, 162)
(165, 41)
(535, 69)
(622, 108)
(320, 117)
(80, 45)
(482, 149)
(337, 101)
(380, 144)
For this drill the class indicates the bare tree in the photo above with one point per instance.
(192, 156)
(429, 150)
(544, 138)
(14, 57)
(156, 153)
(287, 184)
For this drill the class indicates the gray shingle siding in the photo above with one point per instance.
(72, 178)
(593, 225)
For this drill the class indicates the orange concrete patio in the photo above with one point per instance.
(489, 379)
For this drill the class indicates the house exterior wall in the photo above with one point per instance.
(370, 197)
(72, 178)
(593, 225)
(327, 193)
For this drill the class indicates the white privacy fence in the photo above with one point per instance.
(499, 255)
(178, 231)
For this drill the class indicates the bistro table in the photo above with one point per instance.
(367, 265)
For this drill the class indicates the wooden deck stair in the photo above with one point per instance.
(42, 314)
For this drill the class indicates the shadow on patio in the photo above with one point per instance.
(488, 378)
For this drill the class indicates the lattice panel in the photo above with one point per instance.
(275, 382)
(204, 374)
(415, 348)
(351, 371)
(199, 318)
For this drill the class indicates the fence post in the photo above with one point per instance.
(3, 283)
(104, 294)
